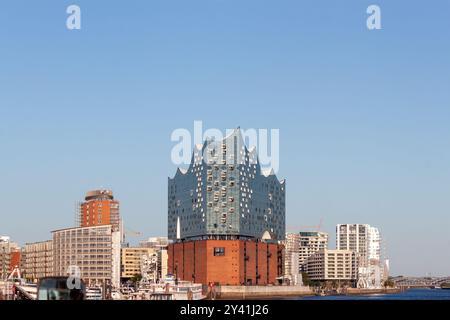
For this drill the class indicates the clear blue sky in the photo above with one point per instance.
(364, 116)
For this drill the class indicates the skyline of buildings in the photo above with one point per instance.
(222, 184)
(226, 225)
(150, 259)
(365, 267)
(382, 160)
(362, 238)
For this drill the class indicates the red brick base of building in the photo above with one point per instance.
(226, 262)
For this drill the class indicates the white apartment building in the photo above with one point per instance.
(154, 267)
(131, 261)
(149, 262)
(329, 265)
(94, 250)
(291, 266)
(353, 237)
(37, 260)
(309, 244)
(374, 244)
(365, 240)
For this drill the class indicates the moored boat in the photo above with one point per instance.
(94, 293)
(445, 286)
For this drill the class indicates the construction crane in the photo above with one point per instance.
(130, 233)
(16, 272)
(305, 228)
(127, 231)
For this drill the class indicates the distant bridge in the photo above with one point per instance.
(420, 282)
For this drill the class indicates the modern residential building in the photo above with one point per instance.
(99, 208)
(365, 240)
(156, 264)
(131, 261)
(94, 251)
(354, 237)
(38, 260)
(310, 243)
(10, 256)
(291, 258)
(148, 262)
(374, 244)
(149, 268)
(224, 196)
(330, 265)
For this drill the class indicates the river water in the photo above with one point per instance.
(412, 294)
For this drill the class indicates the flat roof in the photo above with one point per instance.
(90, 227)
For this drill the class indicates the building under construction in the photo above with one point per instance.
(98, 208)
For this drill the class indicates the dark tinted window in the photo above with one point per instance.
(219, 251)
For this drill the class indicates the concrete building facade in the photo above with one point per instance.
(291, 258)
(309, 244)
(94, 251)
(330, 265)
(148, 262)
(38, 260)
(155, 265)
(365, 240)
(130, 264)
